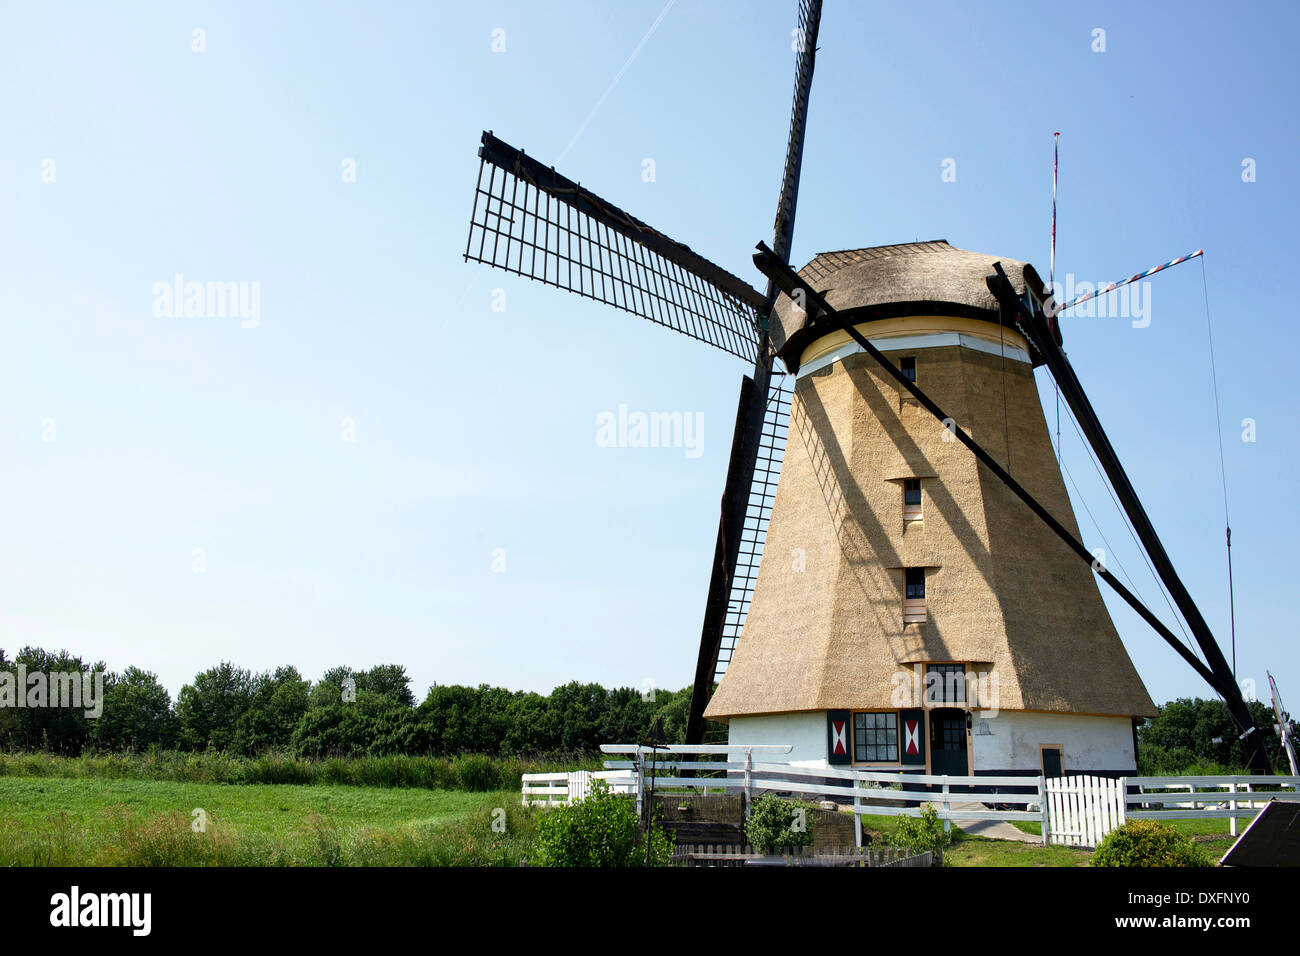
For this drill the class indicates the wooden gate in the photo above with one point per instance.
(1082, 810)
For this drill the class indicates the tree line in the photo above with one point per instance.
(352, 713)
(346, 713)
(1194, 734)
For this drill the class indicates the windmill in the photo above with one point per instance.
(879, 498)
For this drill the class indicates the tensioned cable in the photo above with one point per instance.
(1132, 534)
(1223, 471)
(1118, 563)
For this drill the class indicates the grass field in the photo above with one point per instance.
(68, 821)
(98, 812)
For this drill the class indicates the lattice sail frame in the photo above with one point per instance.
(531, 221)
(758, 513)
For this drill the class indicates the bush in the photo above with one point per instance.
(477, 773)
(1148, 843)
(774, 823)
(601, 830)
(922, 833)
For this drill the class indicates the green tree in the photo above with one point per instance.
(277, 702)
(208, 710)
(575, 712)
(137, 713)
(49, 677)
(462, 719)
(1191, 730)
(373, 724)
(389, 680)
(528, 726)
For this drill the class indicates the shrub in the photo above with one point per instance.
(477, 772)
(922, 833)
(775, 823)
(1148, 843)
(601, 830)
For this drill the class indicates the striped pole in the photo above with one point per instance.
(1051, 282)
(1140, 275)
(1051, 274)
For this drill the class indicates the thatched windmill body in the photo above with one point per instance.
(910, 610)
(898, 578)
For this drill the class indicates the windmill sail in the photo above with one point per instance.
(732, 580)
(530, 220)
(758, 512)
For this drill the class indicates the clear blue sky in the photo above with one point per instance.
(475, 429)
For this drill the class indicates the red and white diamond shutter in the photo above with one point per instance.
(839, 737)
(911, 737)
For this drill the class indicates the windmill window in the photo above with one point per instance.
(875, 737)
(914, 596)
(945, 684)
(916, 583)
(908, 367)
(912, 499)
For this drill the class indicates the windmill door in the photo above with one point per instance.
(948, 742)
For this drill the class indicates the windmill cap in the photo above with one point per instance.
(911, 278)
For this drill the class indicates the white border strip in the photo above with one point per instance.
(931, 340)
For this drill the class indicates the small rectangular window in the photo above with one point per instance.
(912, 491)
(914, 596)
(911, 499)
(947, 685)
(908, 367)
(915, 583)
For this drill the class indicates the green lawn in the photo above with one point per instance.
(966, 850)
(81, 821)
(1217, 829)
(101, 821)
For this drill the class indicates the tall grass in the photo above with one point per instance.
(472, 772)
(484, 838)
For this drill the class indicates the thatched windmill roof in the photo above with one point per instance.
(911, 278)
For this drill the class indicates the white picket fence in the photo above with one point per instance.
(1078, 810)
(1081, 810)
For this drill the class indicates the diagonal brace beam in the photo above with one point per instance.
(1222, 678)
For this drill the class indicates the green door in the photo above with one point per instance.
(1052, 762)
(948, 742)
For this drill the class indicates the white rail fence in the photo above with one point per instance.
(556, 789)
(1185, 798)
(1077, 810)
(880, 793)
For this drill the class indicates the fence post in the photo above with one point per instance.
(640, 781)
(857, 815)
(947, 824)
(1232, 805)
(749, 764)
(1046, 825)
